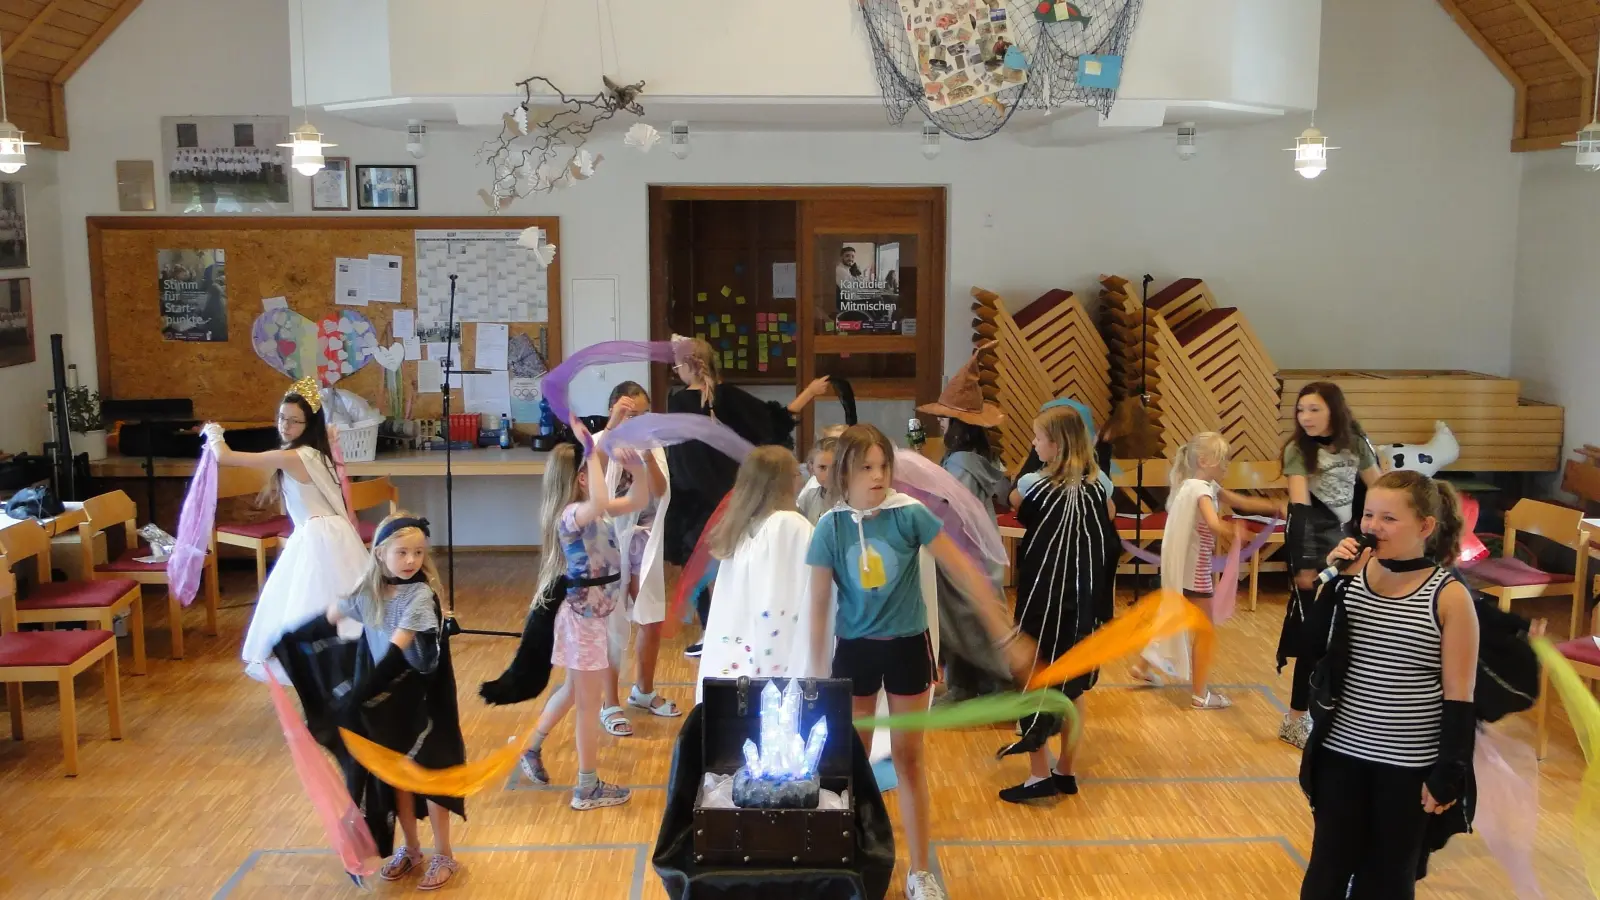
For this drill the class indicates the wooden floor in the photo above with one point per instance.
(200, 800)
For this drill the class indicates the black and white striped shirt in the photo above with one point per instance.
(1393, 697)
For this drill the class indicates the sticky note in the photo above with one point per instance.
(743, 364)
(700, 297)
(726, 343)
(700, 334)
(791, 362)
(744, 339)
(783, 317)
(762, 367)
(699, 320)
(727, 291)
(727, 318)
(777, 350)
(739, 299)
(787, 339)
(743, 353)
(827, 326)
(716, 331)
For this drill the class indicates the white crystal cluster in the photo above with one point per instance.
(783, 755)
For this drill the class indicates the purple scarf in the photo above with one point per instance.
(199, 514)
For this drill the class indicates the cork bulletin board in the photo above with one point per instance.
(279, 256)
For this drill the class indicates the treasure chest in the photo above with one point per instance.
(799, 837)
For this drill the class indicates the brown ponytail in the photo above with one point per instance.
(1436, 498)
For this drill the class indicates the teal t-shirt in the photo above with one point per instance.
(884, 598)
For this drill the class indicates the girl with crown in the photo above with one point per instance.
(324, 558)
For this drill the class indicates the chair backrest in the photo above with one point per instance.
(374, 492)
(115, 515)
(8, 602)
(238, 481)
(1556, 523)
(25, 540)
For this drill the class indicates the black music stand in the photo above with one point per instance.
(1144, 402)
(143, 416)
(451, 625)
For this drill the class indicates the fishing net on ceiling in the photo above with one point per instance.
(969, 65)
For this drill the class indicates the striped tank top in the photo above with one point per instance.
(1393, 697)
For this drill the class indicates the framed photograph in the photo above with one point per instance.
(386, 187)
(13, 227)
(136, 185)
(16, 322)
(226, 164)
(330, 188)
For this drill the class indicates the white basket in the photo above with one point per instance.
(359, 442)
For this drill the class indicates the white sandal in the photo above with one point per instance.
(667, 709)
(615, 723)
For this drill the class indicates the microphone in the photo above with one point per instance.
(1364, 542)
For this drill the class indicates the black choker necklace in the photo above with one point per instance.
(418, 578)
(1407, 565)
(1323, 439)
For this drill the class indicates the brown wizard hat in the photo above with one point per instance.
(962, 397)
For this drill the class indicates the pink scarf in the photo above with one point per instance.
(199, 514)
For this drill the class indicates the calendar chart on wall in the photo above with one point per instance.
(497, 280)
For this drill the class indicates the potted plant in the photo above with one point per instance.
(83, 420)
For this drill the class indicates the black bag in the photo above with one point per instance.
(34, 503)
(1508, 669)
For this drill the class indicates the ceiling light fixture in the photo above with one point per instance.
(306, 141)
(13, 149)
(1588, 142)
(1311, 151)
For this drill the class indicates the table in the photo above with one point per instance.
(66, 523)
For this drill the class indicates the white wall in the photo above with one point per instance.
(23, 425)
(1557, 322)
(1406, 244)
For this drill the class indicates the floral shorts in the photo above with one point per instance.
(580, 641)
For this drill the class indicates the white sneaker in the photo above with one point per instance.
(923, 886)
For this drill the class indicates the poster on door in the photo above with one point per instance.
(868, 282)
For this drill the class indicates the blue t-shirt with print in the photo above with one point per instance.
(883, 598)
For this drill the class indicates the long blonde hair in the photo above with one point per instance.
(1067, 430)
(697, 354)
(370, 590)
(764, 486)
(558, 491)
(1207, 446)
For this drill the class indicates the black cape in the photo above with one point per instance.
(322, 667)
(684, 879)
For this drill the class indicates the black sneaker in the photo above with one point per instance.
(692, 650)
(1023, 793)
(1066, 784)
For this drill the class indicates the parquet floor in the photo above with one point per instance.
(200, 800)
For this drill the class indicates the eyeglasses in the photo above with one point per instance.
(285, 420)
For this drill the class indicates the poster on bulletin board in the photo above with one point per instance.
(194, 295)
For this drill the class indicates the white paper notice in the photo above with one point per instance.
(269, 304)
(404, 324)
(428, 376)
(413, 347)
(490, 352)
(489, 393)
(350, 282)
(783, 275)
(383, 278)
(436, 354)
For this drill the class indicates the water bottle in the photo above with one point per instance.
(915, 436)
(505, 432)
(547, 418)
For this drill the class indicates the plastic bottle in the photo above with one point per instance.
(505, 432)
(915, 436)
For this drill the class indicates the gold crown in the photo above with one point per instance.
(307, 389)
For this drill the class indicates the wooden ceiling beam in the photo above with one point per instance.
(1556, 41)
(118, 16)
(1472, 32)
(32, 29)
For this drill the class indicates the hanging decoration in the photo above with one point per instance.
(969, 65)
(540, 147)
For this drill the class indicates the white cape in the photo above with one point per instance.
(650, 606)
(760, 623)
(1179, 554)
(929, 576)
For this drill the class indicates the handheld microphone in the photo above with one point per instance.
(1364, 542)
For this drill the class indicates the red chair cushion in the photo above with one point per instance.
(1007, 520)
(367, 530)
(277, 526)
(1152, 523)
(49, 648)
(129, 562)
(1582, 650)
(76, 594)
(1504, 571)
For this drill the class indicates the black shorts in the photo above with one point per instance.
(902, 666)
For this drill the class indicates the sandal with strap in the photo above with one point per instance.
(401, 864)
(666, 709)
(615, 723)
(1211, 700)
(440, 870)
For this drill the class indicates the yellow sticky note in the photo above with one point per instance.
(742, 365)
(744, 339)
(783, 317)
(726, 318)
(739, 299)
(787, 339)
(743, 352)
(1091, 67)
(726, 291)
(699, 320)
(716, 331)
(700, 297)
(790, 361)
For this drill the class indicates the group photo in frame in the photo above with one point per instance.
(386, 187)
(226, 164)
(13, 227)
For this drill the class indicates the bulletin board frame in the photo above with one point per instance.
(289, 256)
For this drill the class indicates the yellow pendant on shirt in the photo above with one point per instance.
(872, 574)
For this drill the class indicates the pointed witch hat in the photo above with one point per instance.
(962, 397)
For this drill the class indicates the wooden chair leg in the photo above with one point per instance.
(69, 724)
(1255, 578)
(208, 575)
(113, 694)
(175, 624)
(261, 567)
(14, 703)
(1578, 602)
(1542, 714)
(136, 626)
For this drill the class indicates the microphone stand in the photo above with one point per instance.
(451, 625)
(1144, 399)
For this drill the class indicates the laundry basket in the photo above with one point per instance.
(359, 442)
